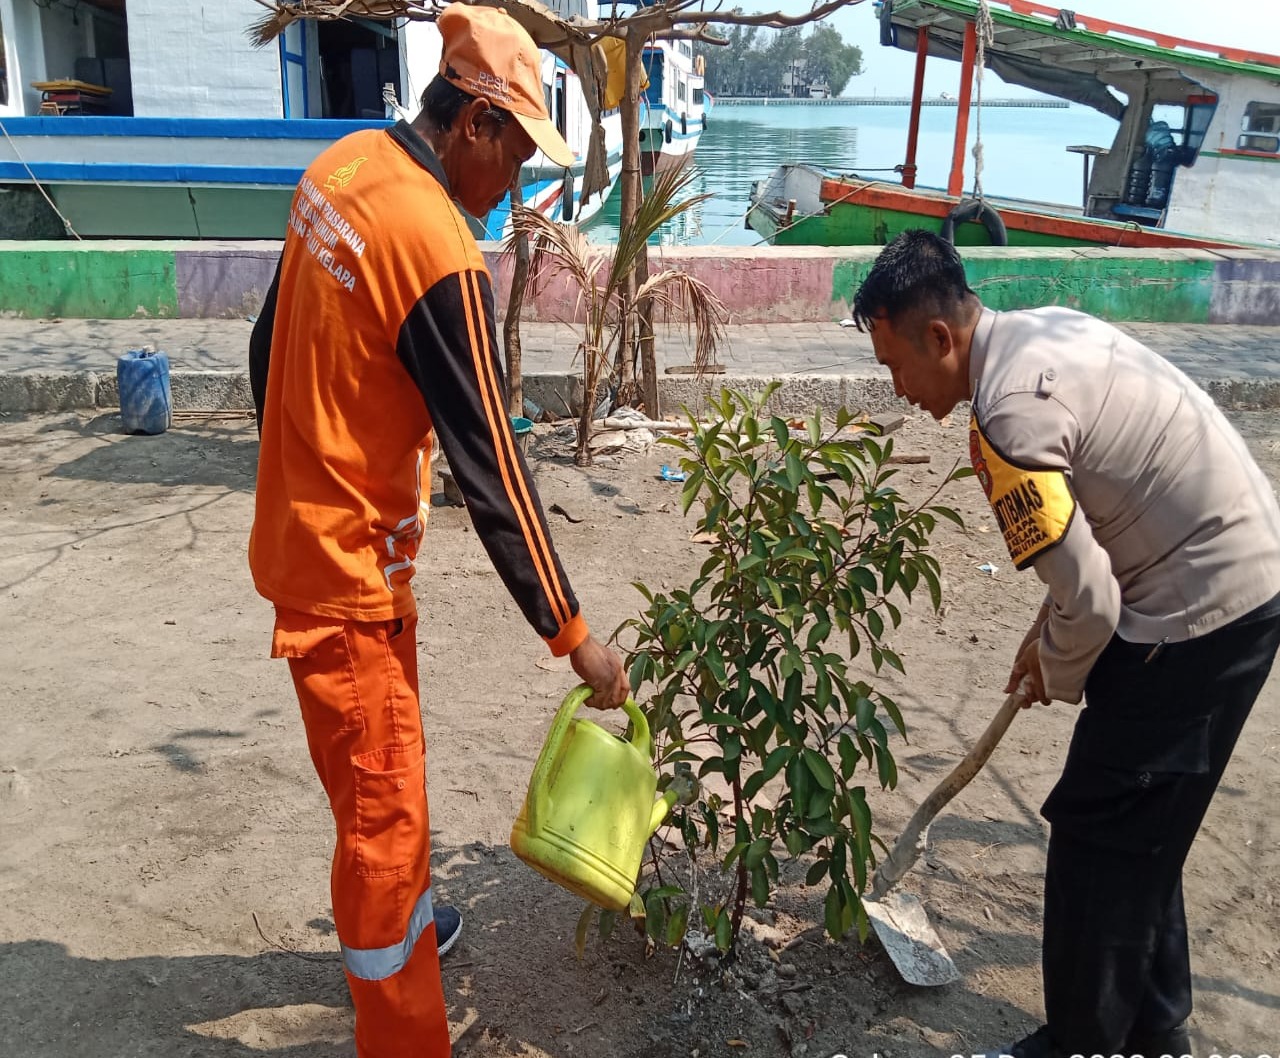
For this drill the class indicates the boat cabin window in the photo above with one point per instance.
(1261, 128)
(357, 57)
(699, 96)
(85, 41)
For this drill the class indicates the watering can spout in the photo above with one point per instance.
(661, 809)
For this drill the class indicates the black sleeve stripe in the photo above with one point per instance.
(503, 440)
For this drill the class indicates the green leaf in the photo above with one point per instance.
(655, 923)
(580, 934)
(724, 930)
(781, 432)
(895, 714)
(863, 578)
(818, 635)
(816, 873)
(833, 913)
(637, 906)
(755, 853)
(875, 624)
(760, 887)
(849, 757)
(948, 514)
(677, 926)
(774, 762)
(935, 587)
(887, 768)
(691, 488)
(820, 768)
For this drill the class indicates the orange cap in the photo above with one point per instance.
(488, 53)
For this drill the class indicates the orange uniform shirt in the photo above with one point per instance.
(378, 330)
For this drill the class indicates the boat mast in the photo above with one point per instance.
(968, 57)
(917, 97)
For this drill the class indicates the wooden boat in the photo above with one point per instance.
(1193, 162)
(178, 130)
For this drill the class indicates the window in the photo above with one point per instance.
(1261, 128)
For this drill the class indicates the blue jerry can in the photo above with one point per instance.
(146, 405)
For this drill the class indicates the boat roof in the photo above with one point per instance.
(1056, 51)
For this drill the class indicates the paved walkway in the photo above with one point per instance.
(1236, 363)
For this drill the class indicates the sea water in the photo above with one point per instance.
(1023, 148)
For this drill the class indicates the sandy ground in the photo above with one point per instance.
(156, 794)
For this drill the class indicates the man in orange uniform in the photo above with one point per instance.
(378, 331)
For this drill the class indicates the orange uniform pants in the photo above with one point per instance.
(357, 684)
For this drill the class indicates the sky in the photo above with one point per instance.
(1253, 24)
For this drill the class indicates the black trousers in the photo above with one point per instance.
(1148, 751)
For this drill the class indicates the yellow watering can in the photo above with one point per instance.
(590, 807)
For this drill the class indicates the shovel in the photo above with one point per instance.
(899, 919)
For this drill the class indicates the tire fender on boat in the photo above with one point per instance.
(668, 129)
(978, 209)
(566, 197)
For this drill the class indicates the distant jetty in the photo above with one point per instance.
(879, 101)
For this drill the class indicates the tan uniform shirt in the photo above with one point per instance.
(1115, 476)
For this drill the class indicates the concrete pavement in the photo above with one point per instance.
(49, 365)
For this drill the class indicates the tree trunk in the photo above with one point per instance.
(640, 338)
(630, 180)
(511, 325)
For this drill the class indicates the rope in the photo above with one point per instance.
(17, 154)
(986, 32)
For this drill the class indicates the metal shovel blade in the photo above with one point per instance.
(901, 923)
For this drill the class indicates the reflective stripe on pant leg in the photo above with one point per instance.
(377, 964)
(358, 691)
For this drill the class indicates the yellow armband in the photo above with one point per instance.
(1033, 507)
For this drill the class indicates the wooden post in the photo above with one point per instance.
(917, 97)
(511, 325)
(955, 183)
(631, 191)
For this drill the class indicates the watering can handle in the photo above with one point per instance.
(555, 739)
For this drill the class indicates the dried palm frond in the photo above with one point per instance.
(690, 299)
(282, 13)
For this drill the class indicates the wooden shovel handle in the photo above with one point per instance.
(911, 844)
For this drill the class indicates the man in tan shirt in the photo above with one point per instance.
(1158, 539)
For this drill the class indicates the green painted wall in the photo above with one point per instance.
(1137, 289)
(88, 284)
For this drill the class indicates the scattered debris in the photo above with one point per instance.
(692, 369)
(667, 474)
(452, 493)
(988, 569)
(848, 323)
(908, 458)
(704, 538)
(887, 421)
(607, 441)
(555, 508)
